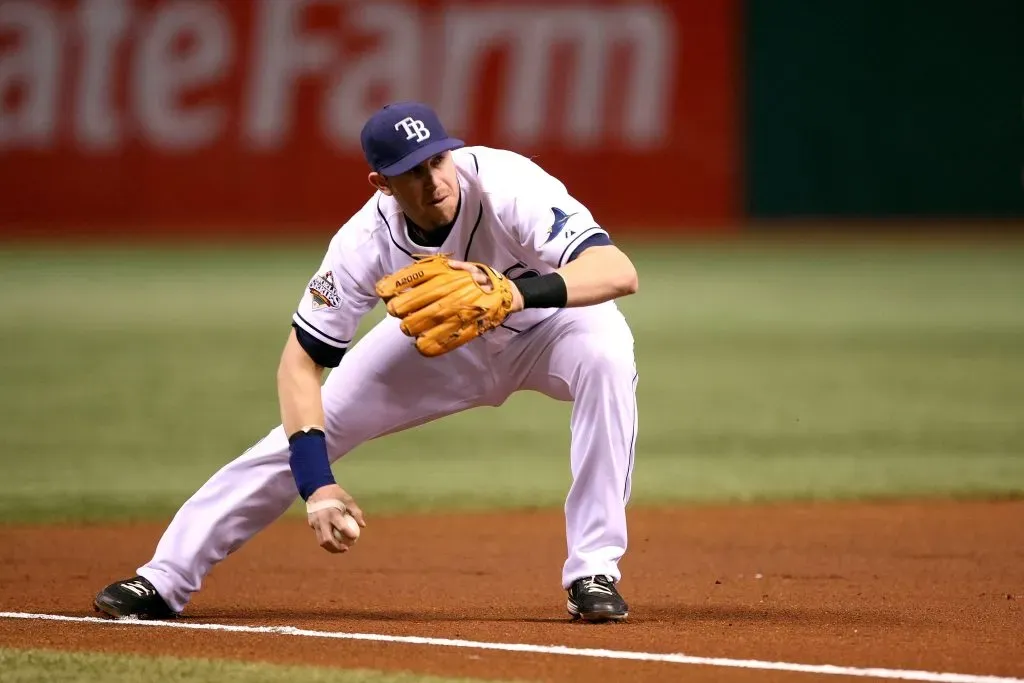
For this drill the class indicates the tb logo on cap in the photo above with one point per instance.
(414, 128)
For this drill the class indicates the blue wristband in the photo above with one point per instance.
(310, 465)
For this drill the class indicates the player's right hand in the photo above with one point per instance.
(324, 522)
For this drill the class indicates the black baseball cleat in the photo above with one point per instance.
(595, 599)
(135, 597)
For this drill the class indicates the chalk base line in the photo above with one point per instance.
(561, 650)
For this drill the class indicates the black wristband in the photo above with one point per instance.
(543, 291)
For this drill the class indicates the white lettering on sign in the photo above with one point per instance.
(178, 55)
(29, 75)
(530, 35)
(394, 69)
(102, 26)
(164, 71)
(283, 55)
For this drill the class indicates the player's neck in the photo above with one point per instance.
(432, 237)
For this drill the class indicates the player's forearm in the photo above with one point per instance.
(298, 388)
(599, 274)
(302, 414)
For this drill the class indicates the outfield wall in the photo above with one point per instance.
(202, 116)
(195, 114)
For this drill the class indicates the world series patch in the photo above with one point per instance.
(325, 294)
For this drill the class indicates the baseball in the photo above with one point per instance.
(350, 534)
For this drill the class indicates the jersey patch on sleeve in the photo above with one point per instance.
(324, 292)
(561, 218)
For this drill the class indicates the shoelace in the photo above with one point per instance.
(140, 589)
(592, 585)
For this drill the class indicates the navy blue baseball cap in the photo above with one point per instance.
(402, 135)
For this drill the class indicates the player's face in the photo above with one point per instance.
(429, 193)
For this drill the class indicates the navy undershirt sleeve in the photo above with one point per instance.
(598, 240)
(322, 354)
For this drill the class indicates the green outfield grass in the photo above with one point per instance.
(43, 666)
(766, 372)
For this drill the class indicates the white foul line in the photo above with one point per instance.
(824, 669)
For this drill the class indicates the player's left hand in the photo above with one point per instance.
(445, 304)
(481, 279)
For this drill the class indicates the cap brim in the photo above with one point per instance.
(420, 155)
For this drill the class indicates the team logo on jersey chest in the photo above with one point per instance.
(324, 292)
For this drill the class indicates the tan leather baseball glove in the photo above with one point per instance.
(444, 307)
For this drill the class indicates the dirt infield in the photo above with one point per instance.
(933, 586)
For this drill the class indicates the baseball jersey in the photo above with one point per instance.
(513, 216)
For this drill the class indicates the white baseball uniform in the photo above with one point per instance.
(517, 218)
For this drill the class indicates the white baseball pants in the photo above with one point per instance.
(383, 385)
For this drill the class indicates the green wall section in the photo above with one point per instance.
(869, 108)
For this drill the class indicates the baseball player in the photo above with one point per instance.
(496, 280)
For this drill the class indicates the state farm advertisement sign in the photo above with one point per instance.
(196, 115)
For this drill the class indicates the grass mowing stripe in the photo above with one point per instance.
(765, 373)
(50, 666)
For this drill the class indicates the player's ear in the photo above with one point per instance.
(379, 182)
